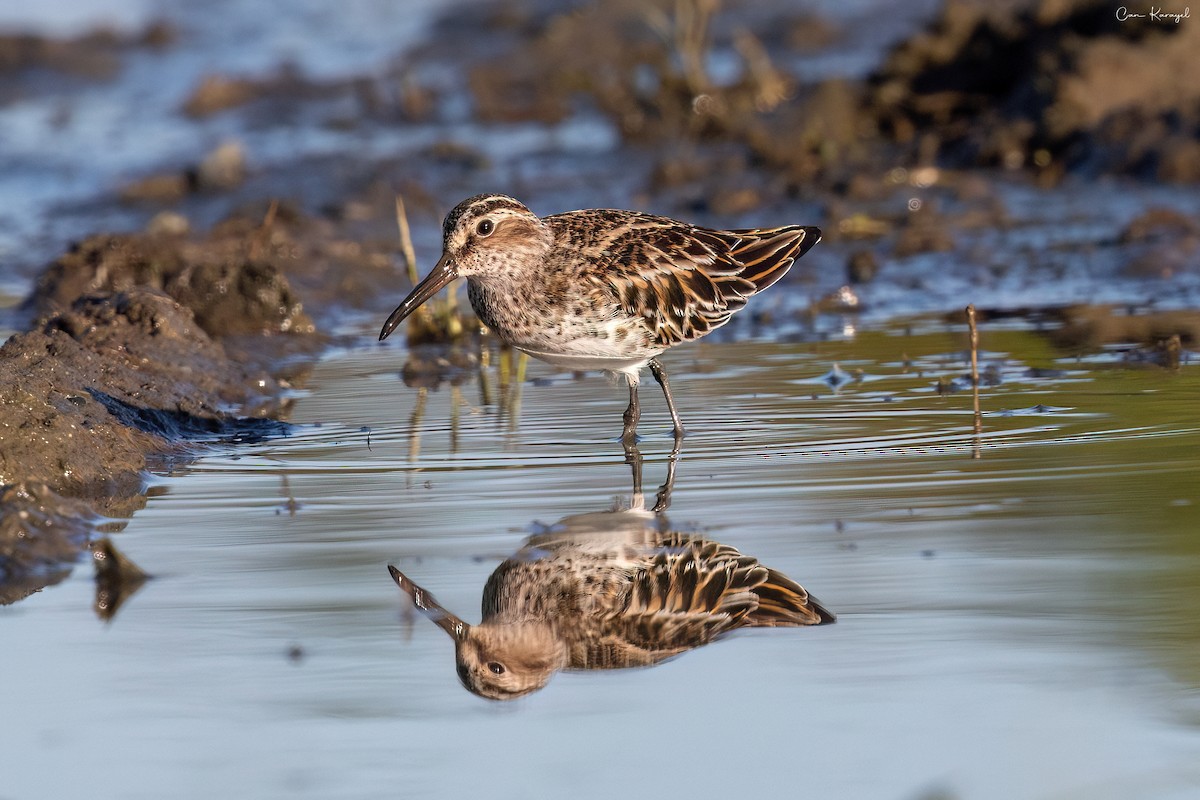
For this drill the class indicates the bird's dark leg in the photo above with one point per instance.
(632, 415)
(660, 375)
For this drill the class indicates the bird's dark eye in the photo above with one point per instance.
(485, 228)
(495, 666)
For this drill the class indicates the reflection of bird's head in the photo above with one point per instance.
(503, 661)
(499, 661)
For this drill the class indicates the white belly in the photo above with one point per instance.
(628, 365)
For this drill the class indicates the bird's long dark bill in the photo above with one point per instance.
(441, 275)
(425, 603)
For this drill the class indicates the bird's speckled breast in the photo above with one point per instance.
(578, 332)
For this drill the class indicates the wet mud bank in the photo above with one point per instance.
(143, 349)
(92, 394)
(87, 399)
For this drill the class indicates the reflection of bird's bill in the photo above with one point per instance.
(430, 607)
(431, 284)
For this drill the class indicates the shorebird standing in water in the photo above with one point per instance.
(602, 289)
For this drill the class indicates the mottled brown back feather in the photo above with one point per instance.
(683, 281)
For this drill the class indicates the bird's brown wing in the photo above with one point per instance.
(684, 281)
(783, 602)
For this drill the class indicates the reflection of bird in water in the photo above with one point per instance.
(607, 590)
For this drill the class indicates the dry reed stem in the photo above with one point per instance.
(263, 235)
(406, 245)
(421, 326)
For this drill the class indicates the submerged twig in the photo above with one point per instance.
(456, 403)
(974, 329)
(485, 383)
(414, 429)
(512, 374)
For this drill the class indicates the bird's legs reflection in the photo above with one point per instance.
(662, 499)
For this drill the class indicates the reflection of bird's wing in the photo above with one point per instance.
(643, 640)
(625, 592)
(783, 602)
(687, 595)
(694, 590)
(684, 280)
(695, 576)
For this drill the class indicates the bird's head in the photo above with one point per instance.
(486, 237)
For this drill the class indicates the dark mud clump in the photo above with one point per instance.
(257, 273)
(1057, 86)
(1161, 243)
(117, 578)
(227, 295)
(287, 87)
(128, 362)
(41, 535)
(221, 170)
(1159, 338)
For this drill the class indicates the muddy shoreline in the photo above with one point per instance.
(149, 346)
(144, 349)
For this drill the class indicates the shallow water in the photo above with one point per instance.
(1022, 624)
